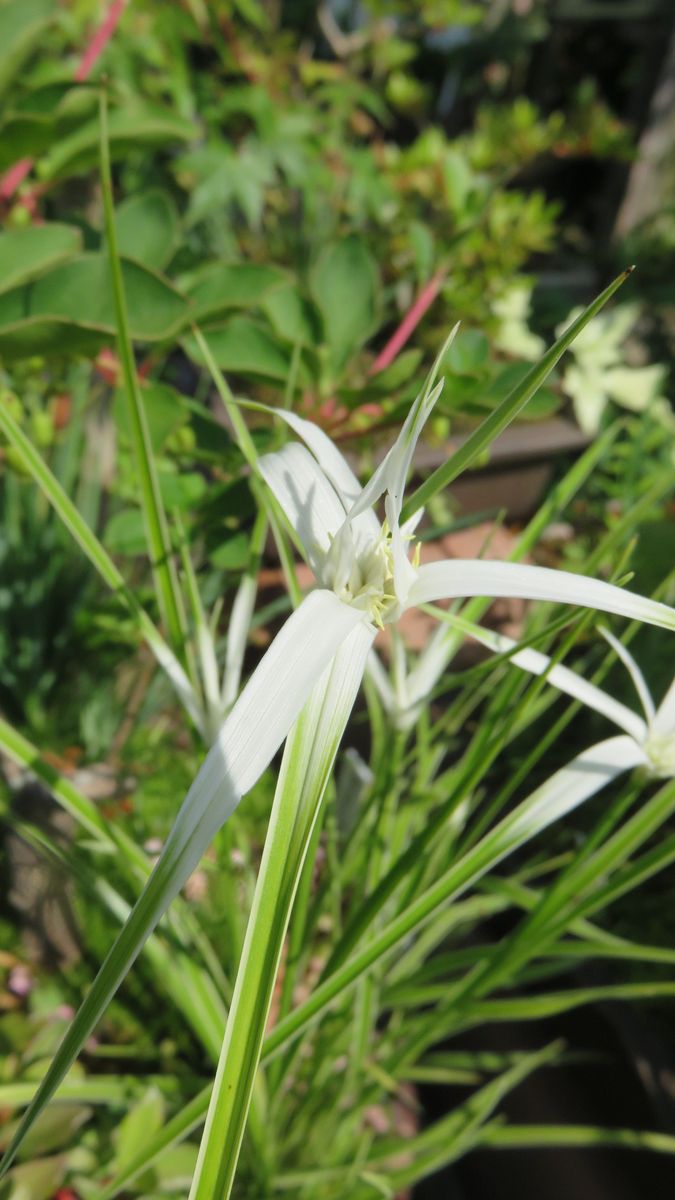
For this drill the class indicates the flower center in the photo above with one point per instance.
(660, 749)
(363, 577)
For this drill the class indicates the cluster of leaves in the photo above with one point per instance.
(290, 200)
(274, 197)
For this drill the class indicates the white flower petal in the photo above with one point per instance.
(262, 716)
(334, 466)
(306, 496)
(639, 681)
(379, 677)
(456, 577)
(255, 728)
(562, 678)
(569, 787)
(392, 472)
(664, 721)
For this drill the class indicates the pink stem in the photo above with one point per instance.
(14, 177)
(409, 323)
(99, 41)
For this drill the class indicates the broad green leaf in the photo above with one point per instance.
(147, 228)
(175, 1130)
(22, 23)
(27, 253)
(291, 316)
(219, 287)
(469, 353)
(24, 135)
(133, 128)
(71, 309)
(125, 533)
(345, 285)
(242, 347)
(37, 1180)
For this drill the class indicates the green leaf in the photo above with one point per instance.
(515, 1137)
(71, 309)
(219, 287)
(147, 228)
(232, 554)
(25, 135)
(543, 404)
(27, 253)
(142, 1121)
(97, 555)
(124, 533)
(345, 285)
(134, 128)
(242, 347)
(165, 411)
(306, 767)
(469, 354)
(21, 25)
(487, 431)
(291, 316)
(165, 575)
(36, 1180)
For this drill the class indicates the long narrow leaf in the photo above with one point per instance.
(157, 531)
(99, 558)
(508, 409)
(251, 735)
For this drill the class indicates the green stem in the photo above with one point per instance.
(159, 544)
(502, 416)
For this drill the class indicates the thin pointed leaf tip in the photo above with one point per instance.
(372, 565)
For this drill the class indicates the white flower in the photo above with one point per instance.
(513, 311)
(368, 574)
(599, 373)
(652, 734)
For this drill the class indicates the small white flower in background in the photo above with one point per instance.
(513, 334)
(650, 738)
(599, 372)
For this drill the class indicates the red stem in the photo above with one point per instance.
(409, 323)
(14, 177)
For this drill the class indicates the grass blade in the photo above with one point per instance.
(99, 558)
(307, 763)
(508, 409)
(156, 527)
